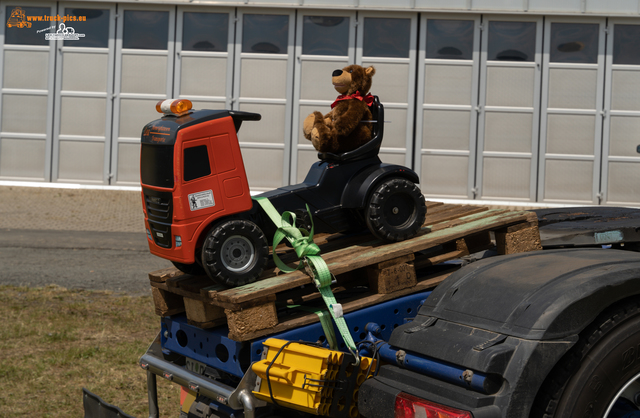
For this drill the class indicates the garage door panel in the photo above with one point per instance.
(444, 175)
(129, 163)
(508, 86)
(448, 84)
(81, 160)
(203, 76)
(508, 132)
(570, 134)
(506, 178)
(391, 82)
(22, 158)
(269, 129)
(83, 116)
(623, 137)
(395, 131)
(144, 74)
(263, 167)
(446, 129)
(264, 78)
(85, 72)
(569, 180)
(26, 69)
(573, 89)
(624, 186)
(24, 113)
(625, 91)
(572, 114)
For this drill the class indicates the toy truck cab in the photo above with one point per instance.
(191, 177)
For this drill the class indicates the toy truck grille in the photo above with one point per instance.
(159, 213)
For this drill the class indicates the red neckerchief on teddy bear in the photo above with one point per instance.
(368, 99)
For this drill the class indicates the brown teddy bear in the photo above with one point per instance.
(341, 129)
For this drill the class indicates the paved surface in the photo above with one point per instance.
(89, 239)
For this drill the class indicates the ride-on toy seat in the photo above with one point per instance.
(371, 148)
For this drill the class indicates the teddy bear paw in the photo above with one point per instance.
(314, 137)
(307, 125)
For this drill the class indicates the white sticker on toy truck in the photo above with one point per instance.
(201, 200)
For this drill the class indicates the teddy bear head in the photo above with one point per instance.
(353, 78)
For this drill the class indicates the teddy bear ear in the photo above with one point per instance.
(370, 71)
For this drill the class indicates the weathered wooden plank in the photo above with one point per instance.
(201, 312)
(178, 291)
(454, 213)
(252, 320)
(519, 238)
(466, 219)
(392, 275)
(161, 276)
(445, 207)
(166, 303)
(362, 255)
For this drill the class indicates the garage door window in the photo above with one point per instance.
(205, 32)
(386, 37)
(512, 41)
(265, 34)
(449, 39)
(21, 30)
(574, 42)
(145, 29)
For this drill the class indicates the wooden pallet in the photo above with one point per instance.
(385, 271)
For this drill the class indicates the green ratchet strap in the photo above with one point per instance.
(309, 254)
(325, 321)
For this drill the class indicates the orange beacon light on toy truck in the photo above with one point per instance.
(190, 177)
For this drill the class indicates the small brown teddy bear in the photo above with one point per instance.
(341, 129)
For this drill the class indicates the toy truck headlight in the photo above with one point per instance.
(175, 107)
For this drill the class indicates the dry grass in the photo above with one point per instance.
(55, 341)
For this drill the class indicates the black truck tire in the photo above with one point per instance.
(235, 252)
(587, 381)
(194, 269)
(395, 210)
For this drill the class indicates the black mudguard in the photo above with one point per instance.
(359, 187)
(510, 317)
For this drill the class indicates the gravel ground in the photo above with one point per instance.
(77, 239)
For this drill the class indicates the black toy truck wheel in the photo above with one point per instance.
(600, 375)
(194, 269)
(395, 210)
(234, 253)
